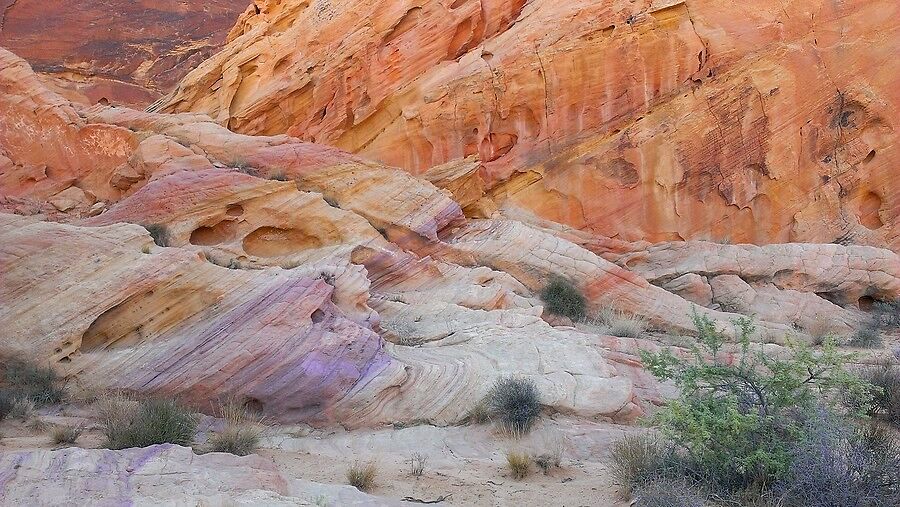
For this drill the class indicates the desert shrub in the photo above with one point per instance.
(159, 233)
(628, 327)
(639, 459)
(6, 403)
(519, 464)
(886, 377)
(736, 421)
(867, 337)
(885, 316)
(838, 464)
(514, 404)
(65, 434)
(562, 298)
(362, 476)
(27, 381)
(237, 440)
(417, 464)
(479, 414)
(668, 492)
(148, 422)
(553, 447)
(241, 434)
(278, 176)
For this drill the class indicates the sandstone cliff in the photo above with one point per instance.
(125, 51)
(757, 121)
(322, 287)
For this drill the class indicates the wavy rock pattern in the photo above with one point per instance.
(763, 122)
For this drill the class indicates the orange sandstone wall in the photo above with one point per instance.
(759, 121)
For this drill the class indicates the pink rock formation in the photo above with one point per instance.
(760, 122)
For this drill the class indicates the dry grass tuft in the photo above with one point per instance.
(65, 434)
(519, 464)
(362, 476)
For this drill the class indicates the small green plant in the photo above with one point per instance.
(362, 476)
(159, 233)
(130, 424)
(29, 382)
(515, 404)
(65, 434)
(562, 298)
(519, 464)
(737, 419)
(417, 464)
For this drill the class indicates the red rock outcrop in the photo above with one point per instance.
(128, 52)
(760, 122)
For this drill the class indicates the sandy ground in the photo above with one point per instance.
(466, 465)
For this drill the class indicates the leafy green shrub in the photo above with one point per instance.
(27, 381)
(140, 424)
(887, 399)
(515, 404)
(841, 465)
(159, 233)
(737, 421)
(362, 476)
(562, 298)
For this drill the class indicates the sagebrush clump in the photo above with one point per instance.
(128, 423)
(561, 297)
(514, 404)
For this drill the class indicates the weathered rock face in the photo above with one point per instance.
(322, 287)
(759, 122)
(125, 51)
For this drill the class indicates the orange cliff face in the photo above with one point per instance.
(759, 122)
(128, 52)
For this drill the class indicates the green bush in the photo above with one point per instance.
(27, 381)
(737, 421)
(159, 233)
(148, 422)
(562, 298)
(515, 404)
